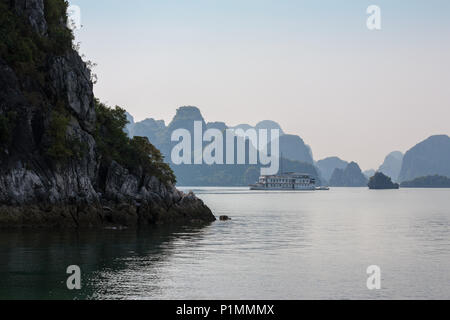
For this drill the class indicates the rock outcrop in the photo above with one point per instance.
(33, 11)
(39, 190)
(297, 156)
(293, 148)
(351, 176)
(392, 165)
(328, 165)
(428, 158)
(382, 182)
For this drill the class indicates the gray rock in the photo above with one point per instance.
(428, 158)
(70, 76)
(37, 191)
(392, 165)
(328, 165)
(351, 176)
(33, 11)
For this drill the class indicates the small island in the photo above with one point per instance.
(382, 182)
(435, 181)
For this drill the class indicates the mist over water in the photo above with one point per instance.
(279, 245)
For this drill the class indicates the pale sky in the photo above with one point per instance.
(312, 66)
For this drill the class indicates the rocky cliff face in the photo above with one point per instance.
(293, 148)
(328, 165)
(428, 158)
(297, 156)
(33, 11)
(40, 190)
(392, 165)
(351, 176)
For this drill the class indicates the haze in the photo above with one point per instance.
(312, 66)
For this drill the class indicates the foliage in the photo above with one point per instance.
(6, 127)
(27, 53)
(60, 35)
(135, 154)
(435, 181)
(16, 38)
(109, 136)
(60, 145)
(25, 50)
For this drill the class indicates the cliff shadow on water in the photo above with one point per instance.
(102, 257)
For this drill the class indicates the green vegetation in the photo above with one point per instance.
(381, 182)
(435, 181)
(7, 122)
(25, 50)
(135, 154)
(60, 146)
(60, 36)
(18, 43)
(27, 53)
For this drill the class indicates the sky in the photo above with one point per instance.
(313, 66)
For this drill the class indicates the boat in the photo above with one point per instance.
(323, 188)
(285, 182)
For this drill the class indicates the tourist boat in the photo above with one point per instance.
(285, 182)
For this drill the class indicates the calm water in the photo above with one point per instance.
(304, 245)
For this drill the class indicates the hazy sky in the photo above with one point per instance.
(313, 66)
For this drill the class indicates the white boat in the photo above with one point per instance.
(285, 182)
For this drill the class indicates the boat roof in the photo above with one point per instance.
(289, 174)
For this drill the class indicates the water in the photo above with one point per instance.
(299, 245)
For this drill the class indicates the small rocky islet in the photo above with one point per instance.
(382, 182)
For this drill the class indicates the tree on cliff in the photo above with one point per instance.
(27, 48)
(64, 158)
(134, 154)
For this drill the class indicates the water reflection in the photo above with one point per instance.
(313, 245)
(33, 263)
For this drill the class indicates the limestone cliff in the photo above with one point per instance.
(52, 173)
(428, 158)
(392, 165)
(351, 176)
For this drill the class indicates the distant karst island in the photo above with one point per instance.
(428, 157)
(295, 155)
(435, 181)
